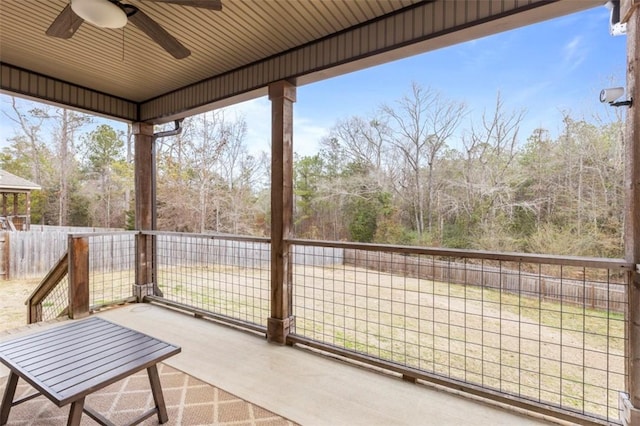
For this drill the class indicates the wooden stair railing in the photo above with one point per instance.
(46, 286)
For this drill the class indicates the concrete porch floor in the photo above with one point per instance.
(302, 386)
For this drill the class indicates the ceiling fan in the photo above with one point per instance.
(116, 14)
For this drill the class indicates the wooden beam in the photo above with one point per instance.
(282, 96)
(145, 207)
(78, 277)
(28, 213)
(627, 8)
(632, 219)
(144, 149)
(6, 251)
(31, 84)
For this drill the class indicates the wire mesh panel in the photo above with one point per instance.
(222, 275)
(111, 267)
(57, 301)
(546, 333)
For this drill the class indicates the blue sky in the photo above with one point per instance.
(546, 68)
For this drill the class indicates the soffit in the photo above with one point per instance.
(125, 63)
(236, 53)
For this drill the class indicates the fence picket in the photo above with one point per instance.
(33, 253)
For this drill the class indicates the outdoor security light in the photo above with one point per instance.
(610, 95)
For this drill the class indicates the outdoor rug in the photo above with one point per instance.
(189, 401)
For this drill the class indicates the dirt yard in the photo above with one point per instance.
(13, 312)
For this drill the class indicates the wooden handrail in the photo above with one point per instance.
(46, 286)
(214, 236)
(587, 262)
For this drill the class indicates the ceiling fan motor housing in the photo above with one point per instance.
(115, 14)
(101, 13)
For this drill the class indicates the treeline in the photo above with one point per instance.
(85, 169)
(420, 171)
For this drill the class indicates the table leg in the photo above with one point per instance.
(156, 390)
(7, 399)
(75, 414)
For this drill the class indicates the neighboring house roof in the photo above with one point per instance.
(12, 183)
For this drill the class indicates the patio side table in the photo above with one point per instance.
(69, 362)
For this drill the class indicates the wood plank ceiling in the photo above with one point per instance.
(116, 61)
(123, 73)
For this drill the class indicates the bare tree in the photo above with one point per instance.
(423, 122)
(63, 165)
(31, 124)
(490, 151)
(240, 172)
(206, 176)
(209, 136)
(68, 123)
(362, 141)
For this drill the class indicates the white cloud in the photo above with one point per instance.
(307, 136)
(574, 53)
(257, 113)
(524, 95)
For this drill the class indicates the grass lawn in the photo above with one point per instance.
(542, 350)
(13, 311)
(546, 351)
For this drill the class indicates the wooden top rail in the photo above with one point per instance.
(227, 237)
(101, 234)
(46, 286)
(544, 259)
(587, 262)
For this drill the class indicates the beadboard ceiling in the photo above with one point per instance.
(126, 64)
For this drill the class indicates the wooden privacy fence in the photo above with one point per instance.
(32, 254)
(583, 292)
(175, 249)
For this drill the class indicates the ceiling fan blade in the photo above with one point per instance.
(202, 4)
(66, 24)
(159, 34)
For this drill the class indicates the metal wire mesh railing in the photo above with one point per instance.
(227, 276)
(547, 332)
(111, 268)
(111, 275)
(544, 330)
(57, 301)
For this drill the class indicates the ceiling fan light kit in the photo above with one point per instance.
(116, 14)
(101, 13)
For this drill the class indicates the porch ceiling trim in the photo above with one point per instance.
(50, 90)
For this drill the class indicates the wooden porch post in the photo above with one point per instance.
(78, 277)
(28, 212)
(282, 96)
(632, 219)
(145, 205)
